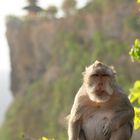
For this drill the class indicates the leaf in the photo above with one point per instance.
(135, 92)
(139, 101)
(44, 138)
(137, 85)
(135, 50)
(137, 118)
(137, 42)
(133, 98)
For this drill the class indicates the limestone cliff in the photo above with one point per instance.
(32, 41)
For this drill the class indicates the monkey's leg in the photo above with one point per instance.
(123, 133)
(82, 135)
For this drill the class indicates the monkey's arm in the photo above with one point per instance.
(124, 113)
(74, 125)
(73, 129)
(123, 117)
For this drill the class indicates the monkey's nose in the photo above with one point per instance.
(100, 83)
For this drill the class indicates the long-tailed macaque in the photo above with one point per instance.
(101, 110)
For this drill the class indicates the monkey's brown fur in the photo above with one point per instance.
(101, 110)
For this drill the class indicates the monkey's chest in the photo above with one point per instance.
(93, 125)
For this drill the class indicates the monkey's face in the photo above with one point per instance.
(98, 81)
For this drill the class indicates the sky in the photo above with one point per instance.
(14, 7)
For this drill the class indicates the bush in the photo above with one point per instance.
(135, 100)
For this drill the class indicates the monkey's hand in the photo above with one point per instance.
(107, 128)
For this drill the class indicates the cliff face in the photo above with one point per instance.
(30, 52)
(32, 41)
(48, 55)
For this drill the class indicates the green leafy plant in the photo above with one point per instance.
(135, 91)
(45, 138)
(135, 100)
(135, 51)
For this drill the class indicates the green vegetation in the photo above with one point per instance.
(135, 99)
(51, 12)
(45, 138)
(32, 2)
(135, 51)
(69, 6)
(135, 91)
(133, 22)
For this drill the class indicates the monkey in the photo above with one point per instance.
(101, 110)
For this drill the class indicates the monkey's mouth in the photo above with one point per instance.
(100, 92)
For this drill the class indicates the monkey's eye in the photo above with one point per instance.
(94, 75)
(105, 75)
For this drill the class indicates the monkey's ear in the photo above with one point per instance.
(83, 73)
(113, 69)
(86, 68)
